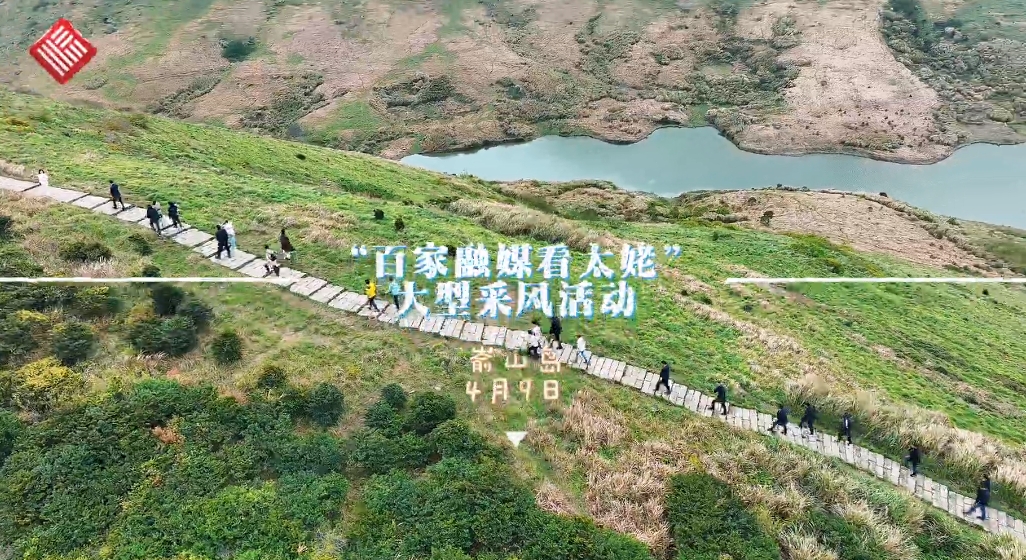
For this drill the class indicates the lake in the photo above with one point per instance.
(979, 182)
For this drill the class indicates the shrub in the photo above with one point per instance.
(200, 313)
(93, 303)
(150, 271)
(16, 339)
(10, 429)
(45, 384)
(140, 244)
(166, 299)
(394, 395)
(86, 251)
(379, 214)
(6, 227)
(317, 453)
(226, 347)
(173, 336)
(325, 404)
(766, 217)
(272, 377)
(707, 520)
(428, 410)
(237, 50)
(454, 438)
(378, 453)
(383, 417)
(73, 342)
(399, 224)
(556, 537)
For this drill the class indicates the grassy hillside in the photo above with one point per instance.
(392, 78)
(256, 459)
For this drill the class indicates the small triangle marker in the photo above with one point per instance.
(516, 437)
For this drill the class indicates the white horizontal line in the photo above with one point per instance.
(966, 280)
(142, 280)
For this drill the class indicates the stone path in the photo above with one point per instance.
(609, 369)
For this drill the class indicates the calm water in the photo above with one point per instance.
(979, 182)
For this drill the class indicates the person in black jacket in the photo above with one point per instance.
(781, 419)
(555, 329)
(115, 195)
(172, 212)
(154, 216)
(982, 498)
(721, 398)
(914, 458)
(664, 378)
(808, 419)
(222, 242)
(846, 425)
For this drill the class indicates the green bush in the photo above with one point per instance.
(10, 429)
(707, 521)
(166, 299)
(6, 227)
(378, 452)
(556, 538)
(200, 313)
(272, 376)
(428, 410)
(226, 347)
(394, 395)
(95, 302)
(140, 244)
(456, 439)
(237, 50)
(325, 404)
(383, 417)
(173, 336)
(86, 251)
(150, 271)
(73, 342)
(45, 385)
(317, 453)
(16, 340)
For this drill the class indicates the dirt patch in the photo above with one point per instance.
(851, 94)
(849, 220)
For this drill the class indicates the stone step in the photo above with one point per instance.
(89, 201)
(54, 193)
(15, 185)
(326, 293)
(307, 286)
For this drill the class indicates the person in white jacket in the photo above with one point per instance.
(230, 228)
(44, 179)
(582, 351)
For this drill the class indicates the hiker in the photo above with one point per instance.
(664, 378)
(154, 216)
(115, 195)
(271, 264)
(44, 179)
(534, 340)
(846, 425)
(230, 228)
(914, 458)
(982, 498)
(556, 329)
(808, 419)
(582, 350)
(781, 419)
(721, 398)
(371, 288)
(172, 212)
(160, 215)
(394, 290)
(286, 245)
(222, 242)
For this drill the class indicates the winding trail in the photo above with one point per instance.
(323, 292)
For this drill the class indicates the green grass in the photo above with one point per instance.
(996, 18)
(957, 352)
(434, 51)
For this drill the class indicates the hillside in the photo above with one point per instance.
(947, 379)
(896, 81)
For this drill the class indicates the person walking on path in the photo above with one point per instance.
(808, 419)
(982, 498)
(172, 212)
(286, 245)
(271, 264)
(230, 228)
(721, 398)
(160, 216)
(394, 290)
(371, 289)
(846, 426)
(222, 242)
(914, 458)
(154, 217)
(534, 340)
(664, 378)
(781, 420)
(115, 195)
(556, 329)
(582, 351)
(44, 179)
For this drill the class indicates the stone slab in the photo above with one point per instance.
(411, 320)
(326, 293)
(366, 310)
(389, 315)
(254, 269)
(15, 185)
(234, 262)
(207, 249)
(472, 332)
(307, 286)
(192, 238)
(288, 276)
(133, 214)
(452, 328)
(340, 302)
(493, 335)
(89, 201)
(54, 193)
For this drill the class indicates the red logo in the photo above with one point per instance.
(62, 51)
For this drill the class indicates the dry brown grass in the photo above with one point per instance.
(519, 221)
(798, 544)
(168, 435)
(552, 499)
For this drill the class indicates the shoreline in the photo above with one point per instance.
(476, 146)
